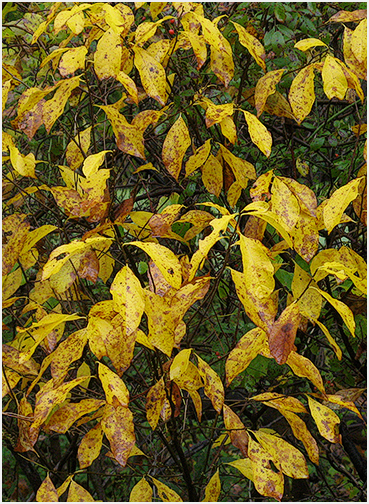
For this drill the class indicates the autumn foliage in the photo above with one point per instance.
(184, 218)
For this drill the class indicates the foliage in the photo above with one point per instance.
(184, 279)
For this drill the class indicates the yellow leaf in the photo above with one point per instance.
(257, 267)
(252, 44)
(304, 368)
(119, 18)
(129, 85)
(213, 386)
(283, 333)
(244, 466)
(92, 163)
(236, 430)
(212, 175)
(306, 236)
(338, 203)
(114, 387)
(266, 87)
(141, 492)
(334, 345)
(243, 353)
(199, 158)
(212, 489)
(128, 136)
(304, 45)
(24, 165)
(154, 402)
(359, 42)
(108, 55)
(72, 60)
(350, 59)
(166, 494)
(47, 491)
(48, 397)
(348, 16)
(90, 446)
(166, 261)
(334, 80)
(216, 113)
(68, 351)
(5, 91)
(77, 148)
(190, 379)
(77, 493)
(326, 420)
(206, 243)
(175, 146)
(73, 18)
(221, 63)
(228, 129)
(342, 309)
(266, 481)
(301, 95)
(234, 193)
(52, 109)
(260, 136)
(284, 455)
(242, 170)
(117, 424)
(344, 403)
(284, 203)
(128, 297)
(198, 46)
(180, 364)
(280, 402)
(310, 302)
(152, 75)
(11, 283)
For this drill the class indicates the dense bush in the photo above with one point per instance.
(184, 283)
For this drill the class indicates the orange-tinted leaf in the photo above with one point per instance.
(175, 146)
(326, 420)
(77, 493)
(117, 424)
(154, 402)
(283, 333)
(243, 353)
(213, 387)
(237, 433)
(25, 442)
(141, 492)
(242, 170)
(90, 446)
(212, 489)
(47, 491)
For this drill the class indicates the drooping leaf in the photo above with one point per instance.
(90, 446)
(128, 297)
(114, 387)
(260, 136)
(338, 202)
(326, 420)
(152, 75)
(141, 492)
(154, 402)
(334, 80)
(212, 175)
(302, 95)
(236, 430)
(53, 108)
(266, 481)
(47, 491)
(180, 363)
(77, 493)
(343, 16)
(212, 489)
(283, 333)
(303, 367)
(166, 494)
(243, 353)
(266, 87)
(301, 432)
(175, 146)
(252, 44)
(305, 44)
(213, 386)
(117, 424)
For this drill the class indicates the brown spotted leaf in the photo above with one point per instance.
(117, 424)
(283, 333)
(236, 430)
(326, 420)
(213, 387)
